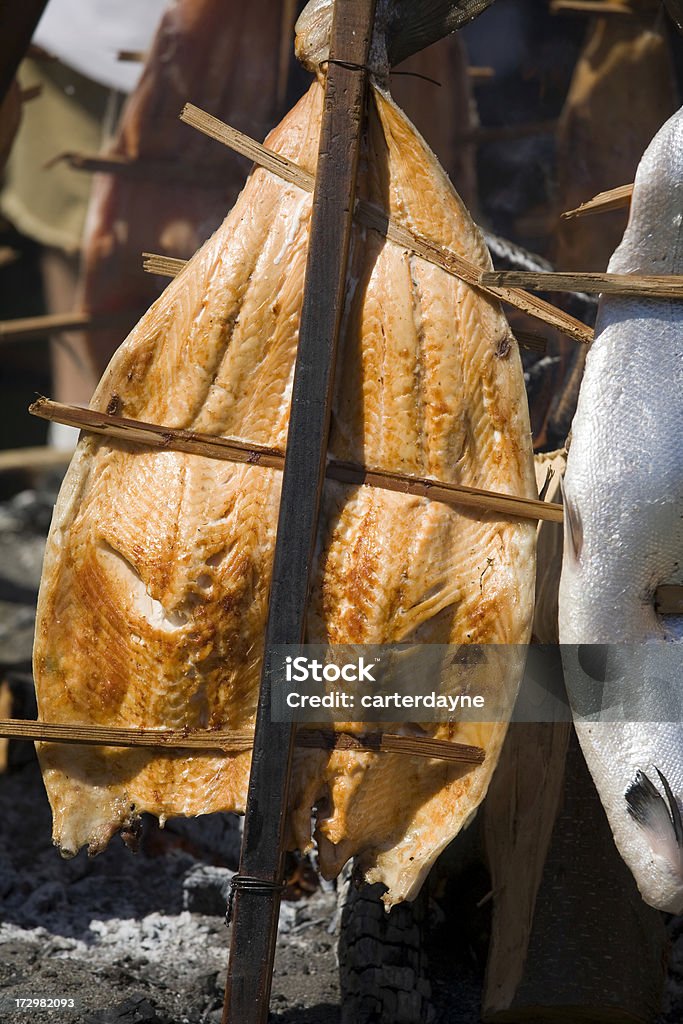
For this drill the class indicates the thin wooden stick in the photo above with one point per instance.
(28, 459)
(667, 286)
(589, 7)
(132, 56)
(479, 74)
(164, 266)
(236, 741)
(615, 199)
(162, 172)
(168, 266)
(32, 328)
(245, 452)
(378, 220)
(669, 599)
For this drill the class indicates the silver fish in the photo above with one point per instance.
(624, 538)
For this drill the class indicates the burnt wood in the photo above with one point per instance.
(256, 907)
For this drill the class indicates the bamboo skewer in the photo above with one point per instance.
(169, 266)
(378, 220)
(236, 741)
(668, 598)
(235, 450)
(667, 286)
(614, 199)
(164, 266)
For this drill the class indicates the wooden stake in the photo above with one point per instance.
(236, 742)
(615, 199)
(257, 899)
(378, 220)
(663, 286)
(246, 452)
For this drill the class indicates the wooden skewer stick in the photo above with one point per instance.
(236, 741)
(169, 266)
(13, 459)
(666, 286)
(30, 328)
(162, 172)
(479, 73)
(376, 219)
(235, 450)
(132, 56)
(615, 199)
(164, 266)
(589, 7)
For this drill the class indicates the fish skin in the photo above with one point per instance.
(624, 492)
(154, 593)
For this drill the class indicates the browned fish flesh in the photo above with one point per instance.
(155, 583)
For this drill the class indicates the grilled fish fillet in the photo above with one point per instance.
(155, 583)
(624, 529)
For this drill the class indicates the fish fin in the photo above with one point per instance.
(673, 805)
(573, 527)
(649, 810)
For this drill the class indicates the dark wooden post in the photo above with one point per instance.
(257, 898)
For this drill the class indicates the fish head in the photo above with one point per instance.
(654, 841)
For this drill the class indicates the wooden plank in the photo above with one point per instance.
(236, 741)
(256, 906)
(596, 952)
(614, 199)
(17, 24)
(231, 449)
(663, 286)
(378, 220)
(519, 815)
